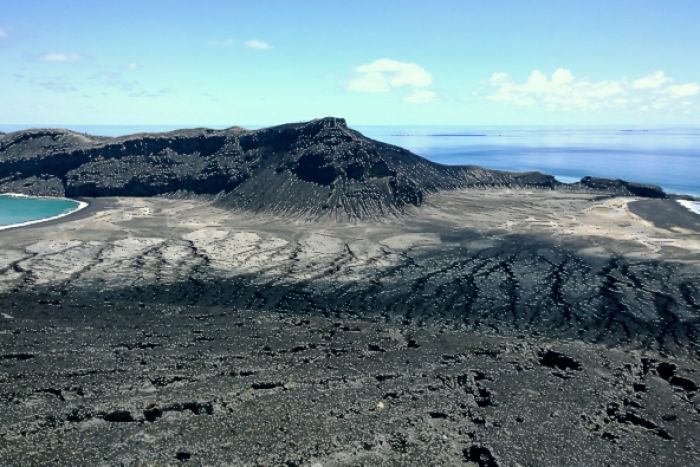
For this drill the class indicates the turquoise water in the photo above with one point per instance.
(20, 210)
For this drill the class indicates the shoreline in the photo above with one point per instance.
(673, 213)
(692, 206)
(82, 206)
(666, 214)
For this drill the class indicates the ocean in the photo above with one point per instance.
(669, 157)
(24, 210)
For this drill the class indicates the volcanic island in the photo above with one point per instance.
(304, 295)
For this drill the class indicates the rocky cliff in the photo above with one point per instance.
(318, 168)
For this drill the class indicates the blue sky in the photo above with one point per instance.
(373, 62)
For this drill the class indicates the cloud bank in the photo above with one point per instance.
(564, 91)
(385, 74)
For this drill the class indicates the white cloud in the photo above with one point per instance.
(563, 91)
(682, 90)
(369, 82)
(421, 96)
(133, 66)
(3, 33)
(654, 80)
(384, 74)
(62, 57)
(257, 44)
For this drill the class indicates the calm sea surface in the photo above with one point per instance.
(22, 210)
(666, 157)
(669, 157)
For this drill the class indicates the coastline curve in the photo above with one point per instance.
(81, 205)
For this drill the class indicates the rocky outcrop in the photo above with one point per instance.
(320, 168)
(621, 187)
(43, 185)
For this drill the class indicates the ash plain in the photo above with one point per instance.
(487, 327)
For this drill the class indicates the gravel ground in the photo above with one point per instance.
(488, 328)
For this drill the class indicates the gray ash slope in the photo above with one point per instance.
(320, 168)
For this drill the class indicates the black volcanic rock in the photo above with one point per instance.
(621, 187)
(320, 168)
